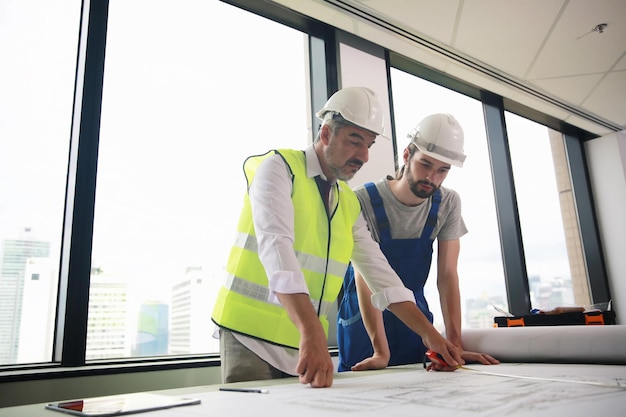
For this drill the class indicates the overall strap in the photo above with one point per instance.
(431, 221)
(379, 212)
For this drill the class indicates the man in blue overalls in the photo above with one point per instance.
(405, 214)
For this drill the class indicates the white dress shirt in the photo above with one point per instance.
(273, 216)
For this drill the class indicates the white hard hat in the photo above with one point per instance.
(440, 136)
(357, 105)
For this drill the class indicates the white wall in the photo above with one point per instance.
(607, 168)
(360, 68)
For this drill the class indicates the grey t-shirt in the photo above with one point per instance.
(408, 222)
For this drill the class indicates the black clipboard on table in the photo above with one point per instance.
(118, 405)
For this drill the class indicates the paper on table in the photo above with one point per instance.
(522, 390)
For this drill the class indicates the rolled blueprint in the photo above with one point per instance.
(551, 344)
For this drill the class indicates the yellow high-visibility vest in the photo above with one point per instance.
(323, 248)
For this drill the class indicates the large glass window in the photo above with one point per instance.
(554, 260)
(188, 95)
(38, 46)
(480, 267)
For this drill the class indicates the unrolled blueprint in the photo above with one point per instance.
(497, 390)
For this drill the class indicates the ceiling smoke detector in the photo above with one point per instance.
(600, 28)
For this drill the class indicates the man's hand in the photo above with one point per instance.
(450, 353)
(376, 361)
(315, 366)
(437, 363)
(477, 357)
(468, 357)
(433, 340)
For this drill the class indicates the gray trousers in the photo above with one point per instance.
(241, 364)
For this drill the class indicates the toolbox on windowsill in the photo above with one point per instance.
(567, 318)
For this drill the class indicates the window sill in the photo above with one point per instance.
(56, 371)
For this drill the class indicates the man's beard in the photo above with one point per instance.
(414, 186)
(338, 171)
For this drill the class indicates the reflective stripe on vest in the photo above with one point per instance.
(261, 293)
(307, 261)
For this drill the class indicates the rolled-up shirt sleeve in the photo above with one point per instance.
(367, 257)
(273, 216)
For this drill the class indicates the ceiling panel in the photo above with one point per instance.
(575, 49)
(608, 98)
(497, 32)
(418, 16)
(621, 65)
(572, 89)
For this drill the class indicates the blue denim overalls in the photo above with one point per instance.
(411, 259)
